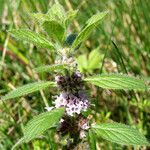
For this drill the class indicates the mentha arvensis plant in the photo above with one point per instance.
(69, 112)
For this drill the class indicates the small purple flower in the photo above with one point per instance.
(85, 126)
(59, 79)
(77, 76)
(60, 101)
(82, 134)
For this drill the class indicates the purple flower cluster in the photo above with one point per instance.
(73, 97)
(83, 126)
(72, 83)
(72, 103)
(79, 125)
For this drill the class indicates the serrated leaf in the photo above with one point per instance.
(92, 140)
(31, 37)
(41, 123)
(54, 29)
(70, 16)
(90, 25)
(39, 17)
(120, 133)
(28, 88)
(117, 82)
(48, 68)
(57, 13)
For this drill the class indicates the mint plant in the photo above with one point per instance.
(69, 113)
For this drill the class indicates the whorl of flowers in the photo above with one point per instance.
(75, 127)
(72, 96)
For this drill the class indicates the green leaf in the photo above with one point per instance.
(54, 29)
(95, 59)
(48, 68)
(117, 82)
(28, 88)
(92, 140)
(32, 37)
(90, 25)
(57, 13)
(82, 62)
(41, 123)
(39, 17)
(70, 16)
(119, 133)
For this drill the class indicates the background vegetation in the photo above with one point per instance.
(123, 45)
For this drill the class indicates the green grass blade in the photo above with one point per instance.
(18, 143)
(92, 140)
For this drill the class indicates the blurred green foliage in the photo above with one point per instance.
(127, 25)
